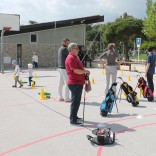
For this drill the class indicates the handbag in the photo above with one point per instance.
(88, 86)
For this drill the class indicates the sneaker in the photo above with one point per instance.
(60, 99)
(67, 100)
(29, 85)
(20, 86)
(14, 86)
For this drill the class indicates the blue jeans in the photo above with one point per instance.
(150, 81)
(30, 80)
(76, 92)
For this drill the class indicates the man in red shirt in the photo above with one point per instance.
(76, 80)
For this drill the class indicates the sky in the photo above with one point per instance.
(43, 11)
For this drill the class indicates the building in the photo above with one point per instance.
(44, 39)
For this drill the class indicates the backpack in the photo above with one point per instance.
(103, 137)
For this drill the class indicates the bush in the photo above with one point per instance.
(146, 44)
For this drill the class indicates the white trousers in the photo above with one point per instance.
(63, 83)
(111, 71)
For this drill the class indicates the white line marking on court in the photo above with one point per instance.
(139, 117)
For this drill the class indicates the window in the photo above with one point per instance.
(33, 38)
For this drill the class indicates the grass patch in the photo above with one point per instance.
(141, 57)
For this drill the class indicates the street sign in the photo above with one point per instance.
(138, 42)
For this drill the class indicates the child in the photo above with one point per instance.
(30, 73)
(17, 73)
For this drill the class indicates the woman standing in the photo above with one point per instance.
(111, 65)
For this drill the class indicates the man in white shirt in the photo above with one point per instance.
(35, 60)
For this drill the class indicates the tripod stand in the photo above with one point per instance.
(131, 95)
(91, 44)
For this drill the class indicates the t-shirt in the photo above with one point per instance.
(151, 60)
(155, 59)
(17, 70)
(30, 72)
(110, 57)
(62, 55)
(72, 62)
(35, 58)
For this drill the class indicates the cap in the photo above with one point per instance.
(30, 66)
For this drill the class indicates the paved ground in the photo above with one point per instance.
(33, 127)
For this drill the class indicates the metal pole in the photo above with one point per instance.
(123, 49)
(100, 42)
(138, 53)
(134, 45)
(2, 48)
(55, 45)
(134, 51)
(84, 35)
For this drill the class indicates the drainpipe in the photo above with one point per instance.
(2, 49)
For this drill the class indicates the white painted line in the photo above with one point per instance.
(139, 117)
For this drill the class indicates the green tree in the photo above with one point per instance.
(149, 5)
(32, 22)
(124, 30)
(150, 21)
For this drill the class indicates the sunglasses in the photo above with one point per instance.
(76, 48)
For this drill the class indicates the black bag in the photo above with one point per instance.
(104, 137)
(131, 95)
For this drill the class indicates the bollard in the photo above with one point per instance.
(93, 82)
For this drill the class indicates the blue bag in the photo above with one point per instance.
(108, 103)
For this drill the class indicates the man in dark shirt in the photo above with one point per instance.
(62, 55)
(150, 68)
